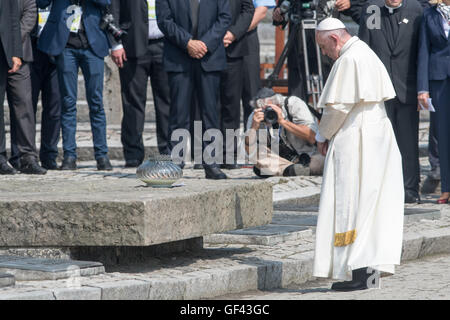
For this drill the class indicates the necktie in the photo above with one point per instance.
(194, 16)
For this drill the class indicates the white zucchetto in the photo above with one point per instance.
(330, 24)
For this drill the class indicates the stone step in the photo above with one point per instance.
(7, 280)
(32, 269)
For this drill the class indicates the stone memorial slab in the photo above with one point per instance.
(417, 214)
(7, 280)
(26, 269)
(91, 208)
(307, 220)
(265, 235)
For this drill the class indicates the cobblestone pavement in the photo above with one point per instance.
(423, 279)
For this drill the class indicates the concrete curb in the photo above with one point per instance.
(259, 275)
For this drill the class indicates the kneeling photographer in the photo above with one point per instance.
(289, 122)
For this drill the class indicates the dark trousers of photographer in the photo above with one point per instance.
(282, 161)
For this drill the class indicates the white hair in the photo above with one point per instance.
(338, 32)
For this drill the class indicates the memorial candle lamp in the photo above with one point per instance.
(159, 171)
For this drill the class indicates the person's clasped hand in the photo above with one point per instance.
(17, 63)
(228, 39)
(197, 49)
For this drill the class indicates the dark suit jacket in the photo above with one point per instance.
(132, 16)
(357, 6)
(55, 34)
(241, 16)
(400, 58)
(10, 30)
(28, 13)
(174, 20)
(434, 50)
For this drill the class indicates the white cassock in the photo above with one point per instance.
(361, 210)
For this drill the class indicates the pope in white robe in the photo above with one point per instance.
(360, 223)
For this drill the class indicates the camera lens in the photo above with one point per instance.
(270, 116)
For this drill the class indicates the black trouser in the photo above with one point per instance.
(250, 72)
(44, 79)
(134, 78)
(405, 122)
(22, 119)
(3, 80)
(231, 82)
(183, 85)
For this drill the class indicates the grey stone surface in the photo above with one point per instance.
(265, 235)
(424, 279)
(24, 268)
(7, 280)
(125, 290)
(86, 208)
(82, 293)
(28, 295)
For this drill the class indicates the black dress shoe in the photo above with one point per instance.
(198, 166)
(69, 163)
(49, 164)
(132, 163)
(412, 196)
(30, 165)
(230, 166)
(214, 173)
(103, 164)
(360, 278)
(6, 169)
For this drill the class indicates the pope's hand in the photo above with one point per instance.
(322, 147)
(423, 100)
(342, 5)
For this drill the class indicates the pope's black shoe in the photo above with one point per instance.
(103, 164)
(213, 172)
(30, 165)
(360, 278)
(69, 163)
(5, 168)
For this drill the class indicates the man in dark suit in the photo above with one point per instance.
(139, 56)
(10, 62)
(194, 56)
(72, 34)
(231, 81)
(395, 42)
(44, 81)
(22, 119)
